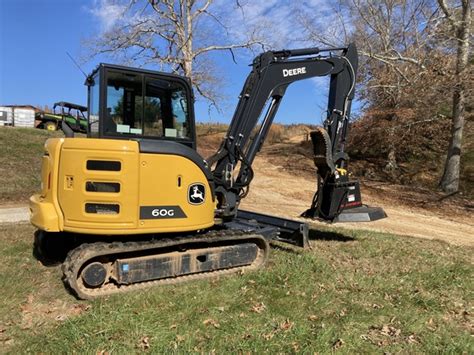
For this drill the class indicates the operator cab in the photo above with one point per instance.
(138, 104)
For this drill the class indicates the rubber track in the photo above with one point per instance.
(79, 256)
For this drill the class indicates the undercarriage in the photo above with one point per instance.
(99, 269)
(96, 269)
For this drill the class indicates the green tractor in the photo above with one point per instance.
(74, 115)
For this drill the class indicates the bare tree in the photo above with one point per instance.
(393, 38)
(460, 23)
(176, 35)
(413, 53)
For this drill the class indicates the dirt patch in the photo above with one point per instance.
(296, 159)
(455, 207)
(34, 313)
(276, 191)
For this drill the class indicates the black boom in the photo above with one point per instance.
(266, 85)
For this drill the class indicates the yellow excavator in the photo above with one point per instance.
(134, 205)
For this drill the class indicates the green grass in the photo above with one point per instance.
(21, 150)
(357, 292)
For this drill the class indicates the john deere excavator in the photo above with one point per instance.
(138, 206)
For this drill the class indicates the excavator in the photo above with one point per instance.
(140, 207)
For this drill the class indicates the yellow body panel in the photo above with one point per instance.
(44, 207)
(147, 180)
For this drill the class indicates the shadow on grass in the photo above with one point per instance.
(50, 249)
(315, 234)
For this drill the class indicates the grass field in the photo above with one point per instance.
(21, 150)
(357, 292)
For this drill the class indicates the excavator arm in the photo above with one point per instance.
(272, 73)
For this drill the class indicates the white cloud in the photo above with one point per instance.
(107, 12)
(276, 20)
(273, 18)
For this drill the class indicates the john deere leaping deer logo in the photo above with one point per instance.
(196, 194)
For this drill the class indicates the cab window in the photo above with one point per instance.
(124, 103)
(141, 105)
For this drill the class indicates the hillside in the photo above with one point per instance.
(21, 150)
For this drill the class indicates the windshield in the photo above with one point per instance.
(139, 105)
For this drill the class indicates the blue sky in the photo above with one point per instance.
(34, 68)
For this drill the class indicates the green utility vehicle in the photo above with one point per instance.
(74, 115)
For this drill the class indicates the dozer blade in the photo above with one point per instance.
(99, 269)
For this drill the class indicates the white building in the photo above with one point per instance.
(18, 116)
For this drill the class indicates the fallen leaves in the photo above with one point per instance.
(258, 308)
(178, 340)
(5, 339)
(283, 326)
(295, 346)
(212, 322)
(337, 344)
(268, 336)
(390, 331)
(286, 325)
(144, 343)
(431, 325)
(388, 334)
